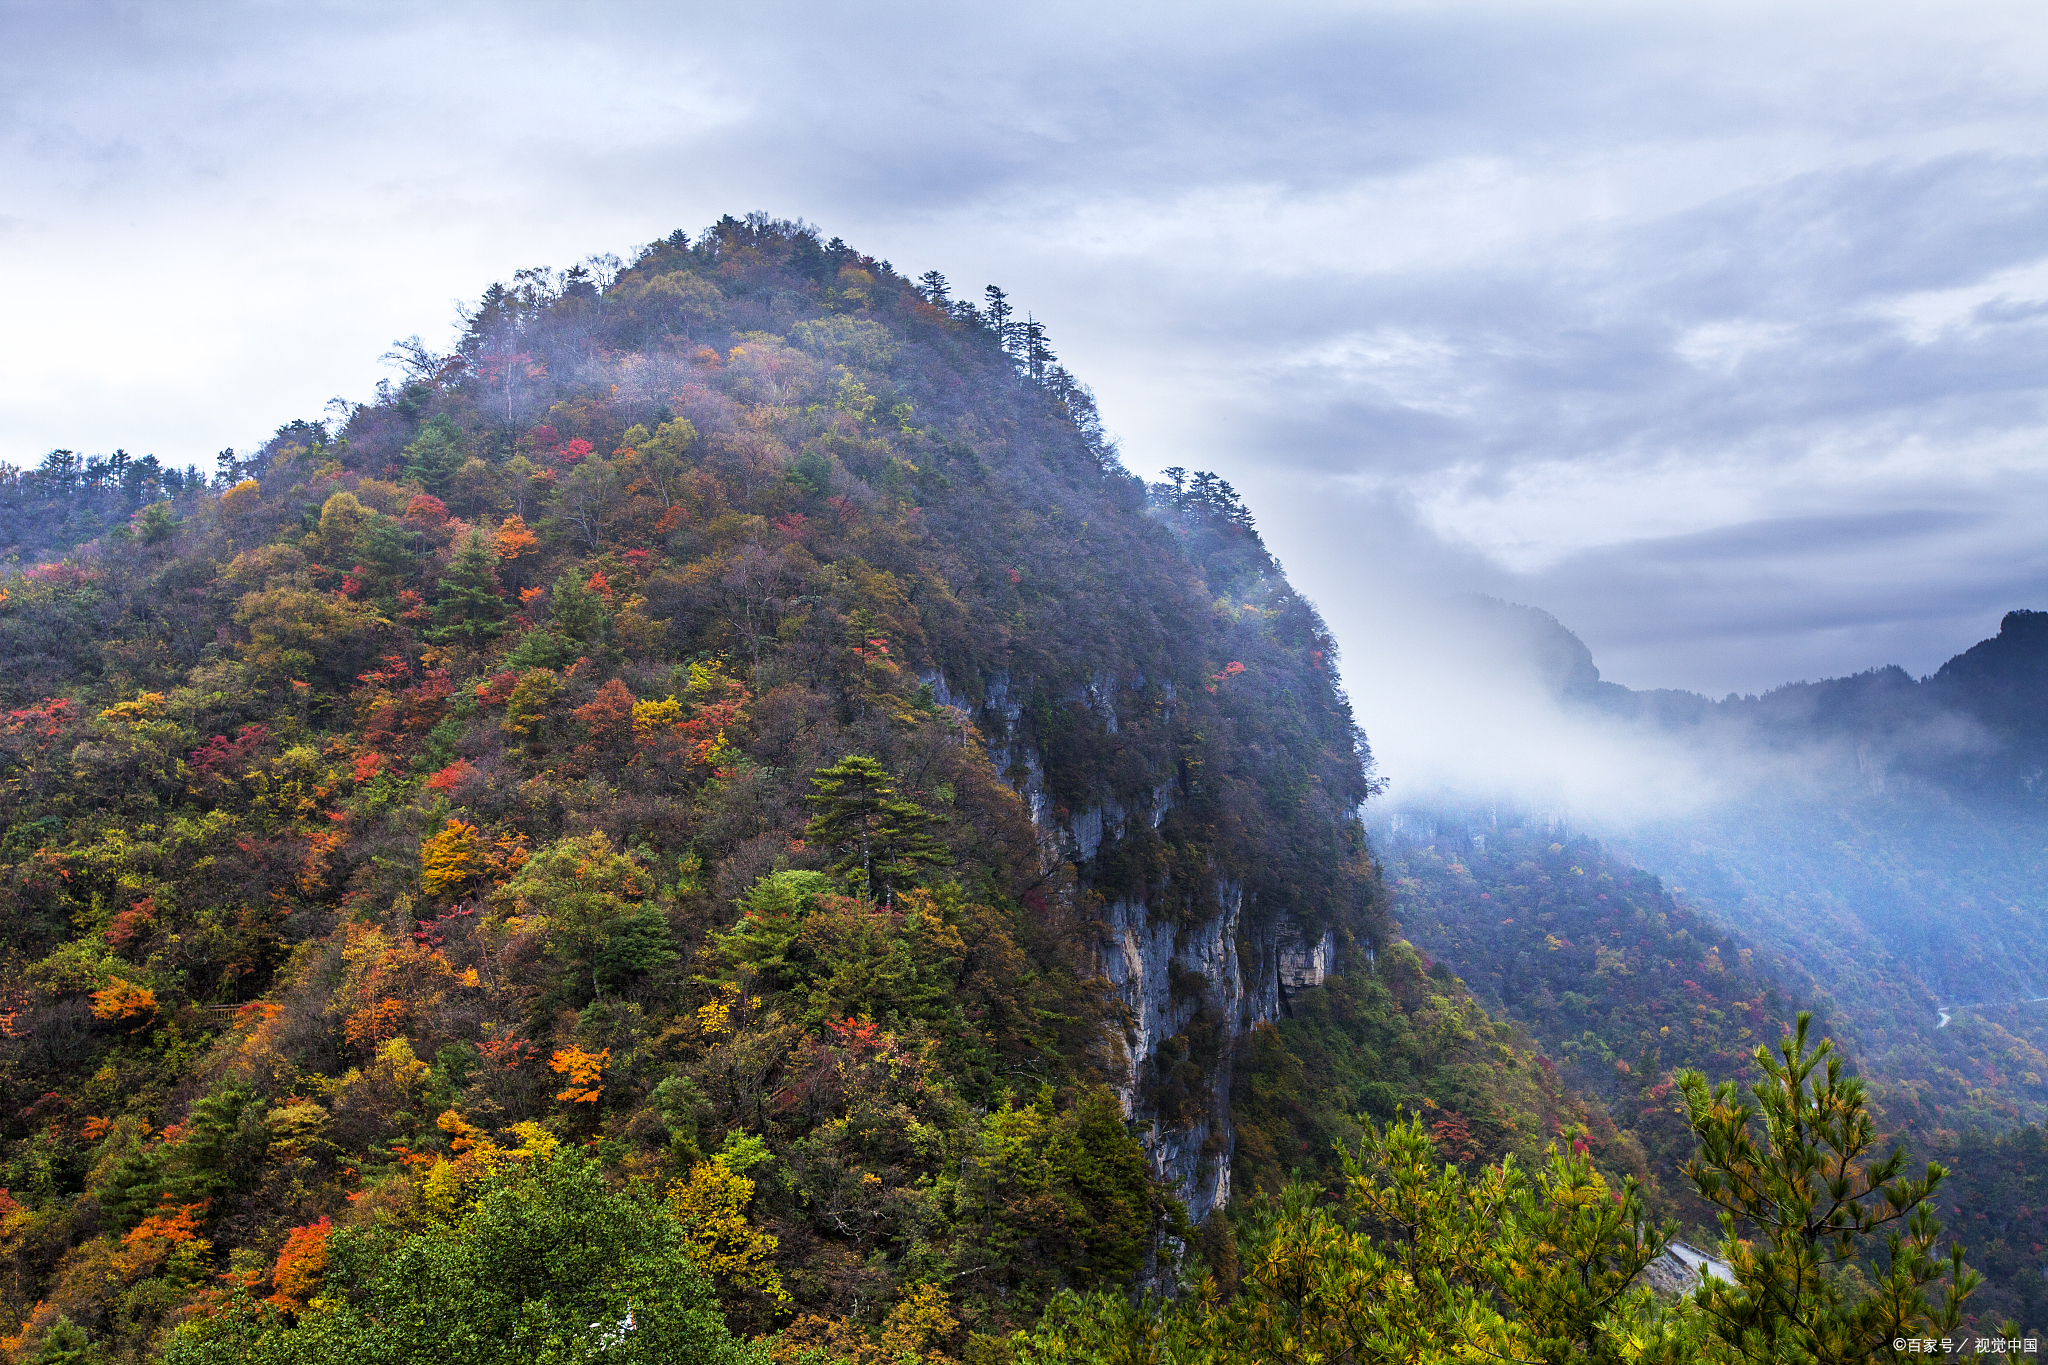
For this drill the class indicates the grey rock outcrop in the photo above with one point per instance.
(1231, 971)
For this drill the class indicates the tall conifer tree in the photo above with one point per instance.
(880, 839)
(471, 610)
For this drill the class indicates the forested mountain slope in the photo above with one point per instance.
(1618, 981)
(1626, 984)
(1879, 861)
(1882, 834)
(1972, 729)
(731, 723)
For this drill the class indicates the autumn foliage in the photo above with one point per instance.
(582, 1074)
(296, 1275)
(450, 859)
(123, 1000)
(429, 810)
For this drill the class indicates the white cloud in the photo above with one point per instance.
(1929, 314)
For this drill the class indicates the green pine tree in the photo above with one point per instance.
(470, 609)
(578, 612)
(434, 456)
(383, 550)
(880, 840)
(771, 913)
(66, 1344)
(633, 944)
(157, 524)
(1811, 1197)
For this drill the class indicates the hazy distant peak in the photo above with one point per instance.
(2019, 650)
(1533, 636)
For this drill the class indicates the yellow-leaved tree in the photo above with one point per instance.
(240, 504)
(911, 1333)
(712, 1204)
(526, 710)
(451, 1182)
(449, 860)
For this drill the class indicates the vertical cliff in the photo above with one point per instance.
(1209, 813)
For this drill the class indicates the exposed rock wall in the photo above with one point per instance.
(1246, 963)
(1303, 964)
(1247, 968)
(1138, 956)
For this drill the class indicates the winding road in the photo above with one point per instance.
(1945, 1010)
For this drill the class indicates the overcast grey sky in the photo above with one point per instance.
(1717, 330)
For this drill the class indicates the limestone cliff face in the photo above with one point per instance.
(1139, 956)
(1215, 977)
(1246, 971)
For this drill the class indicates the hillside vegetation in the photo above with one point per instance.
(650, 740)
(1628, 985)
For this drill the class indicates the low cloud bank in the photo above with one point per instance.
(1471, 701)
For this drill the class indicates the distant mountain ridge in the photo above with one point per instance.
(1977, 726)
(1881, 835)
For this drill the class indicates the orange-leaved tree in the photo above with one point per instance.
(300, 1266)
(609, 718)
(123, 1000)
(582, 1072)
